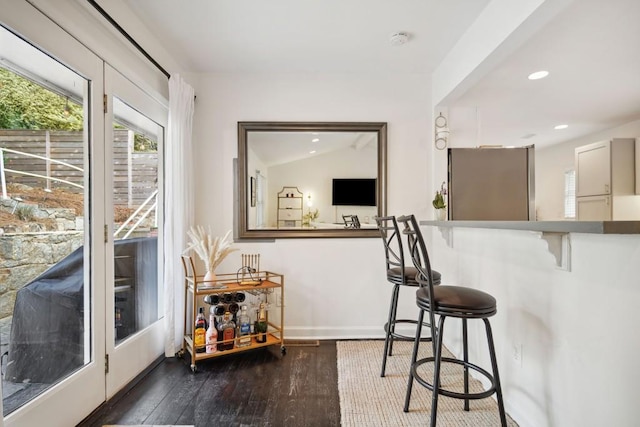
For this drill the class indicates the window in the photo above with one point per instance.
(570, 194)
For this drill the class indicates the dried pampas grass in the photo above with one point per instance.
(211, 250)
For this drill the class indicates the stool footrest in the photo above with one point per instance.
(449, 393)
(400, 336)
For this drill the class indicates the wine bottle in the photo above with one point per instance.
(200, 331)
(261, 325)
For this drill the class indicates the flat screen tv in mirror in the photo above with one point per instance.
(294, 166)
(353, 192)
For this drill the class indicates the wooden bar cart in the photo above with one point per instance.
(260, 286)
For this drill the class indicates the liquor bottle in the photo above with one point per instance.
(261, 326)
(226, 330)
(244, 328)
(212, 335)
(200, 332)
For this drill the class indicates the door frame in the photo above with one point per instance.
(137, 352)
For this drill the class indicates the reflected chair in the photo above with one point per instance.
(447, 301)
(351, 221)
(398, 275)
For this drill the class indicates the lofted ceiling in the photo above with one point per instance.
(591, 49)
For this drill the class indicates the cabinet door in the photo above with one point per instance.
(593, 169)
(593, 208)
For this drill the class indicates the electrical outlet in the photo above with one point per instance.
(516, 351)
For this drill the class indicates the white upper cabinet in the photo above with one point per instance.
(605, 181)
(593, 169)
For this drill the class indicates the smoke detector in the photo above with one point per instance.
(398, 39)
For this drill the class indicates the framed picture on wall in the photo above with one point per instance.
(253, 192)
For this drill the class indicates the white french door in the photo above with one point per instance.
(71, 301)
(134, 129)
(118, 265)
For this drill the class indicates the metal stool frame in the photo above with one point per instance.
(399, 275)
(429, 304)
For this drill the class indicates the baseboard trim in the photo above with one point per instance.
(340, 332)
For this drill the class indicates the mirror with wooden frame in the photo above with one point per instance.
(300, 179)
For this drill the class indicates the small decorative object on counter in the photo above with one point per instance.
(200, 332)
(439, 202)
(260, 326)
(226, 330)
(244, 328)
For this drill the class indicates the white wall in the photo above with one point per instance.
(576, 330)
(552, 162)
(333, 287)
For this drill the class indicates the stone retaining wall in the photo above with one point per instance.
(24, 256)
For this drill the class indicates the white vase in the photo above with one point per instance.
(210, 276)
(441, 214)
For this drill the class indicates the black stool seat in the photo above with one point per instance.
(394, 275)
(457, 299)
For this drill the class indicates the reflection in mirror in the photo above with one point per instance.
(299, 179)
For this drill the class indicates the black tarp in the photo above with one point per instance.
(47, 331)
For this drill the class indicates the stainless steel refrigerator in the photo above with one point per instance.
(491, 184)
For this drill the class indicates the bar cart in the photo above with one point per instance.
(222, 293)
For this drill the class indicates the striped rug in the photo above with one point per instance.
(366, 399)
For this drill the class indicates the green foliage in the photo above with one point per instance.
(25, 212)
(438, 201)
(142, 143)
(27, 105)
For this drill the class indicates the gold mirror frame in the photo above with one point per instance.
(244, 233)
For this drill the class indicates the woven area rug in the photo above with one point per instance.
(366, 399)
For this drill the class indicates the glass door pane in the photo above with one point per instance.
(46, 311)
(135, 216)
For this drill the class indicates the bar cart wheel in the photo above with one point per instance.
(283, 350)
(194, 368)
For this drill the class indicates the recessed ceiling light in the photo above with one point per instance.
(312, 152)
(315, 140)
(538, 75)
(561, 127)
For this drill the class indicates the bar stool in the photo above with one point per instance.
(398, 275)
(448, 301)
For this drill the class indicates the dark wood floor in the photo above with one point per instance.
(254, 388)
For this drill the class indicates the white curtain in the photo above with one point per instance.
(178, 190)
